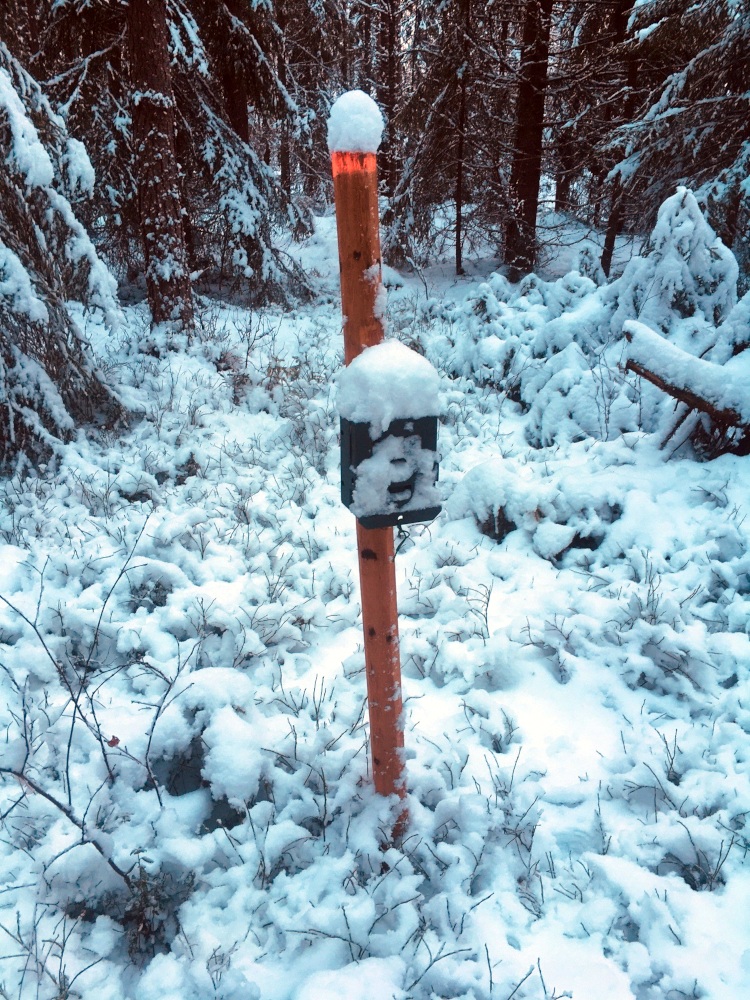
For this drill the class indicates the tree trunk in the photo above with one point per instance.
(614, 224)
(233, 82)
(388, 88)
(526, 170)
(616, 212)
(366, 69)
(460, 178)
(461, 151)
(701, 385)
(159, 203)
(235, 99)
(345, 57)
(285, 139)
(565, 172)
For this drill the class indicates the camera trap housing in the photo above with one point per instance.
(390, 480)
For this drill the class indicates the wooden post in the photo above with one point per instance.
(355, 183)
(355, 188)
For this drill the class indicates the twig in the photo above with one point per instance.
(24, 779)
(520, 984)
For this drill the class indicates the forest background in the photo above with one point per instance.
(204, 124)
(186, 810)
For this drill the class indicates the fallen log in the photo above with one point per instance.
(701, 385)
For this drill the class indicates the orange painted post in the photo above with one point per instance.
(355, 188)
(355, 184)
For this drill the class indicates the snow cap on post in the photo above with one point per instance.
(355, 124)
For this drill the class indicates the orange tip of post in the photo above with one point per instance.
(353, 163)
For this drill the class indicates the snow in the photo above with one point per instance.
(371, 979)
(396, 460)
(574, 643)
(355, 124)
(78, 169)
(388, 382)
(719, 385)
(27, 154)
(16, 285)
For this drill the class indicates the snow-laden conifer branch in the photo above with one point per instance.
(701, 384)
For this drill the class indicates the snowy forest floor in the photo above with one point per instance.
(184, 693)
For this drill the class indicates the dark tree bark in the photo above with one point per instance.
(159, 203)
(285, 139)
(616, 212)
(345, 48)
(235, 98)
(614, 225)
(233, 81)
(367, 63)
(461, 150)
(526, 170)
(460, 178)
(389, 77)
(564, 176)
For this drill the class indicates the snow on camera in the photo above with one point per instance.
(388, 382)
(398, 477)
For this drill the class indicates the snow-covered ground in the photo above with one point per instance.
(187, 812)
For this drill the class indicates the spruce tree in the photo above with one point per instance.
(48, 381)
(452, 185)
(155, 165)
(526, 167)
(692, 124)
(223, 64)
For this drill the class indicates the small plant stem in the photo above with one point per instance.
(24, 779)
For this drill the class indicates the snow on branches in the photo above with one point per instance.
(557, 348)
(46, 258)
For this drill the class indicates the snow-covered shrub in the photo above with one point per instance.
(490, 336)
(685, 291)
(557, 515)
(686, 272)
(501, 496)
(557, 347)
(545, 346)
(588, 264)
(556, 839)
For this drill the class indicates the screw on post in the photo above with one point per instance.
(354, 130)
